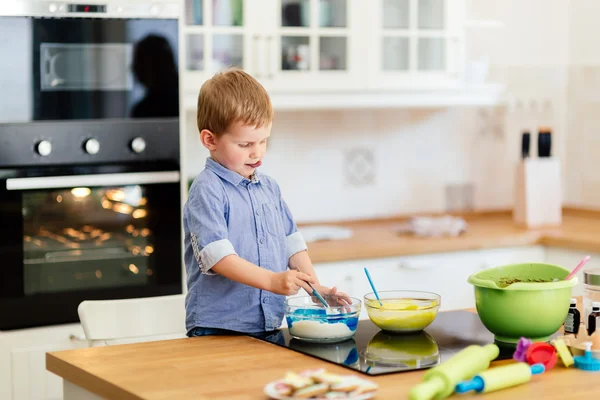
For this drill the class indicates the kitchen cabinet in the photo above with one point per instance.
(353, 53)
(415, 43)
(23, 374)
(442, 273)
(288, 45)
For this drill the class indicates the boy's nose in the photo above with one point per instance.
(255, 153)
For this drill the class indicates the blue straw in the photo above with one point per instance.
(372, 286)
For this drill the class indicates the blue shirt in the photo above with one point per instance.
(228, 214)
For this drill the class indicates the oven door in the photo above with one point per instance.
(88, 68)
(70, 238)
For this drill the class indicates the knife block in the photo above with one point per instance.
(538, 193)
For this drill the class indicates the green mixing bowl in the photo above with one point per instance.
(522, 300)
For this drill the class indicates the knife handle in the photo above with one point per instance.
(525, 144)
(544, 142)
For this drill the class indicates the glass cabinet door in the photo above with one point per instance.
(415, 42)
(312, 44)
(216, 36)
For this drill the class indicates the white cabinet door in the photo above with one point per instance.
(442, 273)
(415, 43)
(216, 35)
(288, 45)
(23, 374)
(314, 45)
(445, 274)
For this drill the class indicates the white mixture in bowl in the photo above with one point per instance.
(320, 330)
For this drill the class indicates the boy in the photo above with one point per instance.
(240, 237)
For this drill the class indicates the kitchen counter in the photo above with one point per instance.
(238, 367)
(580, 230)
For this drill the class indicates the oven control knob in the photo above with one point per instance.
(92, 146)
(138, 145)
(52, 7)
(44, 148)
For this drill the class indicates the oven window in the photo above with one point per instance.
(87, 238)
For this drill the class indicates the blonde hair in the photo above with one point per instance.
(231, 96)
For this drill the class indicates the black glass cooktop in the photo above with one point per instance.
(374, 352)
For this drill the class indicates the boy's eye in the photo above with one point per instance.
(263, 141)
(244, 145)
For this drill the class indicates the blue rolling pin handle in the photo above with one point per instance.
(537, 369)
(478, 384)
(475, 384)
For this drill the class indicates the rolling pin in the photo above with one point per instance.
(501, 377)
(440, 382)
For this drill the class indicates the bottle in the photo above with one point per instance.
(573, 319)
(594, 318)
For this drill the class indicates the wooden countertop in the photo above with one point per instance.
(580, 230)
(219, 367)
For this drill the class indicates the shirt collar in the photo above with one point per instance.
(232, 177)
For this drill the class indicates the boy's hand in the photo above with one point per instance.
(333, 297)
(290, 282)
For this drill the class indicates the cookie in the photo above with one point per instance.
(327, 378)
(349, 384)
(366, 387)
(311, 391)
(296, 381)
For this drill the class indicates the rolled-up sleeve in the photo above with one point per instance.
(294, 241)
(207, 224)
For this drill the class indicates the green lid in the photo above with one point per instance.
(592, 276)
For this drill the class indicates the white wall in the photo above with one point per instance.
(583, 184)
(417, 153)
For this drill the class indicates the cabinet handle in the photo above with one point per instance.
(77, 338)
(269, 56)
(256, 48)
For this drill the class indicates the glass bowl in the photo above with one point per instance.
(308, 320)
(402, 310)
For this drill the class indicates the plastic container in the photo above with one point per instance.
(311, 322)
(402, 311)
(591, 285)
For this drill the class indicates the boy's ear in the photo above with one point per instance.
(208, 139)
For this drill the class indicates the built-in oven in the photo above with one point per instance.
(90, 185)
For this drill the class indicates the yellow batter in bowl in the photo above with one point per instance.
(402, 311)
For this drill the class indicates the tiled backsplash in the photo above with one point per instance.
(415, 156)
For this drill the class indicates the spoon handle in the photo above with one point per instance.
(577, 268)
(314, 292)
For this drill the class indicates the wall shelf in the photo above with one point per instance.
(465, 96)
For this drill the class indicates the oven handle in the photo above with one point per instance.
(55, 182)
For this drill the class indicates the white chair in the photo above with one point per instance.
(107, 322)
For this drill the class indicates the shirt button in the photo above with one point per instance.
(265, 300)
(257, 212)
(262, 240)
